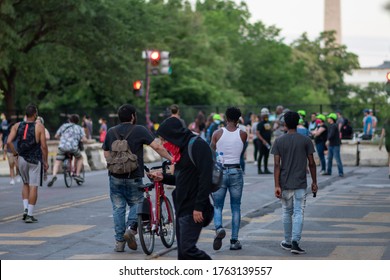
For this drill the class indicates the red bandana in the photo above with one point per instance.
(173, 150)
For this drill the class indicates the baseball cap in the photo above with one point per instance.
(302, 112)
(332, 116)
(321, 117)
(217, 117)
(264, 111)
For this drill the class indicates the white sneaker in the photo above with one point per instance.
(12, 182)
(18, 179)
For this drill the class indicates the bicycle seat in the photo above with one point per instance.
(148, 186)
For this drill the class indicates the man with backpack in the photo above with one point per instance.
(70, 135)
(229, 143)
(193, 180)
(125, 163)
(31, 157)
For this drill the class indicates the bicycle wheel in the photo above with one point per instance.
(167, 223)
(82, 175)
(146, 234)
(67, 175)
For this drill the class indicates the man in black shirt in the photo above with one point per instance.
(264, 133)
(333, 143)
(124, 187)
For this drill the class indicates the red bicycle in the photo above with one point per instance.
(157, 219)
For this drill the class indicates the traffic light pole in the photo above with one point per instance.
(147, 80)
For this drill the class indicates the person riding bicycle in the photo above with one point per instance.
(70, 134)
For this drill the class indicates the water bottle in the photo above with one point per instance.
(268, 146)
(220, 158)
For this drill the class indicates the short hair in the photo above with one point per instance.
(174, 109)
(31, 109)
(291, 119)
(74, 118)
(126, 112)
(233, 114)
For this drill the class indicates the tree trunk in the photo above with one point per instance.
(9, 92)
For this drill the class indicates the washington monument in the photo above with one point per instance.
(332, 18)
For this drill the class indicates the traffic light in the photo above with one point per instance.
(387, 86)
(155, 58)
(165, 64)
(137, 88)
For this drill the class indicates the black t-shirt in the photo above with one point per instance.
(265, 130)
(138, 137)
(293, 150)
(334, 135)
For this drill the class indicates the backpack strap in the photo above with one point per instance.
(190, 144)
(130, 131)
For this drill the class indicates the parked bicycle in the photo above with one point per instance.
(69, 169)
(157, 219)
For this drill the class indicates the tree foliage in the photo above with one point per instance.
(80, 55)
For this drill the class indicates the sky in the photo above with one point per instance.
(365, 24)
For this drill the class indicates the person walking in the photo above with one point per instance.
(102, 129)
(255, 140)
(292, 152)
(124, 187)
(333, 143)
(70, 135)
(320, 135)
(385, 137)
(230, 141)
(175, 112)
(31, 155)
(7, 154)
(264, 134)
(193, 179)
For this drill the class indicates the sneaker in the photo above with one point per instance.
(30, 219)
(295, 249)
(129, 236)
(25, 214)
(326, 174)
(260, 172)
(219, 235)
(341, 175)
(235, 245)
(12, 182)
(322, 172)
(285, 245)
(267, 172)
(51, 182)
(78, 179)
(120, 246)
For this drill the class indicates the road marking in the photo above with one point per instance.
(50, 231)
(305, 239)
(56, 208)
(21, 242)
(357, 253)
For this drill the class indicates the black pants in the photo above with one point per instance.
(264, 153)
(256, 144)
(187, 234)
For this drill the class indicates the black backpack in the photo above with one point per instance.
(217, 177)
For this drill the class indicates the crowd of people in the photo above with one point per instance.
(287, 135)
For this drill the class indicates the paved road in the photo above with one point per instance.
(349, 219)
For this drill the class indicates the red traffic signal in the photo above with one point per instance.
(155, 58)
(137, 85)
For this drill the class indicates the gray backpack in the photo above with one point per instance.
(121, 159)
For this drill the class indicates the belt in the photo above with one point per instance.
(126, 176)
(230, 166)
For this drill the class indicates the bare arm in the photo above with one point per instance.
(155, 145)
(313, 173)
(214, 139)
(40, 129)
(278, 188)
(11, 138)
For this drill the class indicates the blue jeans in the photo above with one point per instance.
(233, 181)
(293, 206)
(320, 150)
(124, 192)
(334, 151)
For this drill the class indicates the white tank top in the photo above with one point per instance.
(230, 144)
